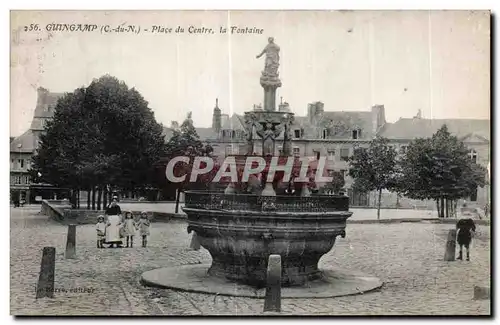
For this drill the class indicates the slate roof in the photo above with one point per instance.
(23, 143)
(233, 123)
(347, 121)
(411, 128)
(45, 106)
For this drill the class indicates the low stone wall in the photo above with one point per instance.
(54, 209)
(62, 212)
(81, 217)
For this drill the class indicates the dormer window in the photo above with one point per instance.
(473, 155)
(296, 133)
(325, 133)
(356, 134)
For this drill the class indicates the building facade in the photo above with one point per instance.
(22, 149)
(336, 134)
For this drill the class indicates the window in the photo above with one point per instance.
(17, 179)
(317, 154)
(21, 163)
(233, 134)
(12, 164)
(280, 150)
(325, 133)
(473, 156)
(296, 151)
(355, 134)
(229, 150)
(296, 134)
(331, 154)
(344, 154)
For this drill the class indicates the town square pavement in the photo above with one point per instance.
(406, 256)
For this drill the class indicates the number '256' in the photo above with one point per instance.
(31, 28)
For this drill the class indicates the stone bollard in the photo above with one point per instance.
(195, 243)
(71, 242)
(451, 243)
(272, 301)
(45, 285)
(481, 293)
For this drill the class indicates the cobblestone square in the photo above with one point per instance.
(408, 257)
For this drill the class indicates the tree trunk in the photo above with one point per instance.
(177, 200)
(104, 198)
(93, 198)
(437, 206)
(88, 199)
(447, 208)
(442, 207)
(99, 196)
(73, 199)
(379, 202)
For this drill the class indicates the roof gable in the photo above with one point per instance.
(411, 128)
(474, 138)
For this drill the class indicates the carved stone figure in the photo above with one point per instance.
(268, 136)
(272, 58)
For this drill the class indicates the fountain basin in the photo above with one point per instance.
(241, 231)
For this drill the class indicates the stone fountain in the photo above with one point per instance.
(241, 230)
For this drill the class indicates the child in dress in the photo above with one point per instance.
(129, 228)
(101, 231)
(143, 226)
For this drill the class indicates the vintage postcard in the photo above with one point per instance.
(249, 163)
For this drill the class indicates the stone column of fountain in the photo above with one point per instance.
(269, 124)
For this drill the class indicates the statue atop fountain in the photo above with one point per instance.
(269, 79)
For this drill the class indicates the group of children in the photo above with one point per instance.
(128, 227)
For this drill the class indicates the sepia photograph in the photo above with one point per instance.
(250, 163)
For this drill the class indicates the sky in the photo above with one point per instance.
(437, 62)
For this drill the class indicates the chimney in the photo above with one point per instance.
(378, 117)
(216, 117)
(284, 106)
(224, 119)
(320, 109)
(311, 110)
(315, 111)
